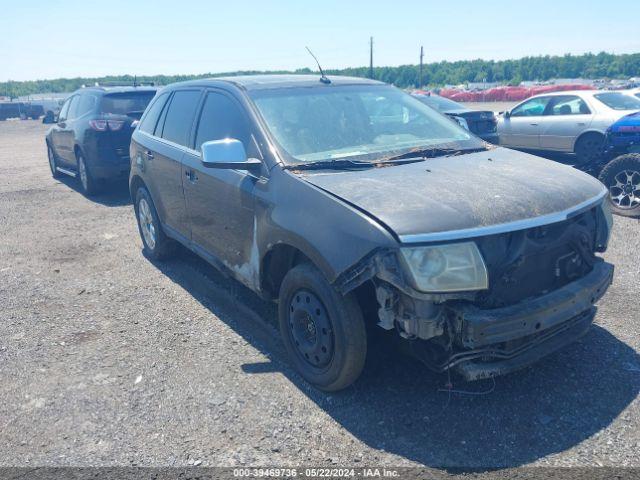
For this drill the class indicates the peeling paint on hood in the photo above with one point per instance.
(463, 192)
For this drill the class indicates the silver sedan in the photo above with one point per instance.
(570, 122)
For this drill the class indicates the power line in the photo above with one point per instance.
(371, 57)
(421, 66)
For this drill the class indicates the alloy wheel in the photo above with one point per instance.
(52, 160)
(310, 329)
(146, 223)
(624, 190)
(82, 170)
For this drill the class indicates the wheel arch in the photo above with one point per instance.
(134, 184)
(282, 257)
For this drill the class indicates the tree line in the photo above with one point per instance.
(510, 72)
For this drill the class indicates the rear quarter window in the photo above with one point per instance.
(150, 120)
(180, 115)
(619, 101)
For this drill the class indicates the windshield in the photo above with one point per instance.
(440, 103)
(123, 103)
(366, 122)
(618, 101)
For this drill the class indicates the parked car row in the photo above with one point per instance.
(596, 126)
(358, 209)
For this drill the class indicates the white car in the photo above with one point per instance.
(634, 91)
(571, 122)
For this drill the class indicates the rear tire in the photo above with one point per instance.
(588, 148)
(155, 243)
(88, 184)
(53, 162)
(323, 331)
(621, 176)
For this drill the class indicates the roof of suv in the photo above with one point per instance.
(118, 89)
(260, 82)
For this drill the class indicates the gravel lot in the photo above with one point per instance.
(107, 358)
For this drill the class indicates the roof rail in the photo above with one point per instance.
(124, 84)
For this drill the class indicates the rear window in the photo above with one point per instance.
(126, 103)
(150, 120)
(618, 101)
(440, 103)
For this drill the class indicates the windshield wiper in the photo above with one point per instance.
(340, 164)
(425, 153)
(343, 164)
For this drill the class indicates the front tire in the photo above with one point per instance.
(155, 243)
(88, 184)
(53, 162)
(588, 148)
(621, 176)
(323, 331)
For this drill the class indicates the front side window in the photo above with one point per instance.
(567, 105)
(618, 101)
(126, 103)
(64, 110)
(364, 121)
(180, 114)
(73, 108)
(150, 120)
(222, 118)
(531, 108)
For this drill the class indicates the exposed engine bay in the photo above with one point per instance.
(543, 282)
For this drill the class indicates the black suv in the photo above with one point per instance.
(353, 205)
(92, 135)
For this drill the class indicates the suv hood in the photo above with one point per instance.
(453, 197)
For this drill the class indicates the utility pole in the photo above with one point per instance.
(371, 57)
(421, 58)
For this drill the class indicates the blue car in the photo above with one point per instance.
(621, 175)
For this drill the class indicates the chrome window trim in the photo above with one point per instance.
(169, 143)
(504, 227)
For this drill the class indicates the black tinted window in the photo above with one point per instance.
(222, 118)
(182, 108)
(126, 103)
(73, 108)
(150, 120)
(64, 110)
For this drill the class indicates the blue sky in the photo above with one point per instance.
(65, 38)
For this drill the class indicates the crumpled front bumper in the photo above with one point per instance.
(498, 341)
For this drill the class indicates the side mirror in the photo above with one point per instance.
(229, 154)
(507, 114)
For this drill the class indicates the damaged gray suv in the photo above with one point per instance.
(356, 207)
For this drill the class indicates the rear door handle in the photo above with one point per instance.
(191, 175)
(534, 124)
(149, 154)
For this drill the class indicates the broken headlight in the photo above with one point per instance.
(453, 267)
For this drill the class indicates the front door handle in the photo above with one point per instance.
(534, 124)
(149, 154)
(191, 175)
